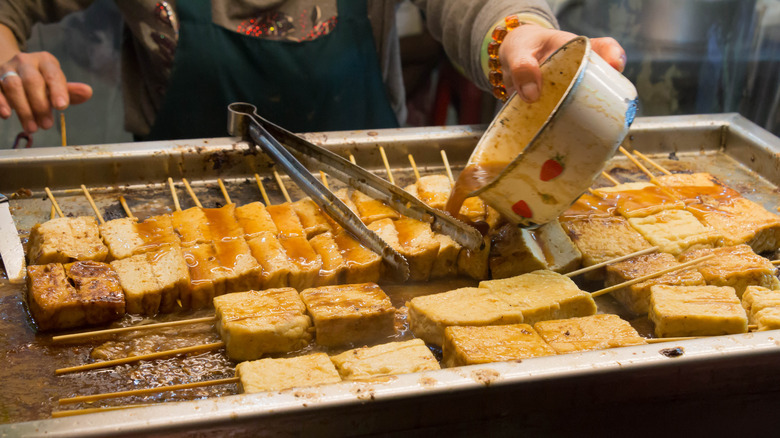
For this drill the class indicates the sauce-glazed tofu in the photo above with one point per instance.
(419, 247)
(589, 205)
(278, 374)
(272, 257)
(696, 311)
(255, 219)
(595, 332)
(385, 359)
(333, 264)
(242, 271)
(306, 263)
(640, 199)
(362, 264)
(312, 219)
(255, 323)
(126, 237)
(475, 345)
(675, 231)
(543, 295)
(349, 314)
(433, 190)
(756, 300)
(208, 278)
(475, 263)
(518, 251)
(64, 240)
(99, 290)
(735, 266)
(740, 221)
(222, 223)
(370, 209)
(636, 297)
(143, 294)
(695, 188)
(191, 225)
(286, 220)
(429, 315)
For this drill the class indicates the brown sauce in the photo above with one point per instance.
(473, 177)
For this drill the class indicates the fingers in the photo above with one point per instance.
(13, 89)
(35, 90)
(525, 76)
(78, 92)
(611, 51)
(55, 82)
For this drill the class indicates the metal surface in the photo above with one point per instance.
(11, 249)
(688, 386)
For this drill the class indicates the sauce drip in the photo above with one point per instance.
(473, 177)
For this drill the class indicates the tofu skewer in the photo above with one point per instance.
(54, 202)
(92, 204)
(609, 289)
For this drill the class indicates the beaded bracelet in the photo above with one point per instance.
(496, 76)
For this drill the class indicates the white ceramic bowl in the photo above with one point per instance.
(536, 159)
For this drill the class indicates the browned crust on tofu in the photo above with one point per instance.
(362, 264)
(52, 300)
(468, 345)
(286, 220)
(333, 264)
(305, 261)
(736, 266)
(255, 219)
(312, 218)
(64, 240)
(270, 254)
(595, 332)
(99, 290)
(222, 222)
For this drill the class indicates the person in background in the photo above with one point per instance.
(307, 65)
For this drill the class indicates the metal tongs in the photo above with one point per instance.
(244, 121)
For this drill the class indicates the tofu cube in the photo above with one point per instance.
(696, 311)
(207, 276)
(222, 223)
(514, 252)
(306, 263)
(64, 240)
(278, 374)
(595, 332)
(143, 294)
(191, 225)
(52, 300)
(675, 231)
(349, 314)
(172, 275)
(286, 220)
(385, 359)
(361, 264)
(475, 263)
(477, 345)
(589, 205)
(542, 295)
(121, 238)
(156, 232)
(255, 219)
(636, 297)
(345, 197)
(735, 266)
(418, 246)
(255, 323)
(429, 315)
(242, 271)
(312, 219)
(768, 319)
(694, 188)
(333, 264)
(740, 221)
(640, 199)
(559, 251)
(272, 257)
(99, 291)
(433, 190)
(370, 209)
(755, 300)
(446, 262)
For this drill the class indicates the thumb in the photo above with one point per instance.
(526, 77)
(79, 92)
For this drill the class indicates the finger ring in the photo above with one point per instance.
(8, 74)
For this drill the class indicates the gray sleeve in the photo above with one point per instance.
(21, 15)
(461, 26)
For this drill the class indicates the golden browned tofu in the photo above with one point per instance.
(191, 225)
(475, 263)
(255, 219)
(735, 266)
(636, 297)
(98, 289)
(362, 264)
(433, 190)
(270, 254)
(52, 300)
(207, 276)
(446, 262)
(385, 359)
(603, 238)
(278, 374)
(589, 205)
(518, 251)
(768, 318)
(370, 209)
(640, 199)
(429, 315)
(740, 221)
(126, 237)
(346, 198)
(418, 246)
(172, 275)
(255, 323)
(694, 188)
(542, 295)
(475, 345)
(64, 240)
(755, 300)
(312, 219)
(696, 311)
(242, 271)
(349, 314)
(143, 294)
(333, 264)
(595, 332)
(286, 220)
(156, 232)
(675, 231)
(306, 263)
(559, 251)
(222, 222)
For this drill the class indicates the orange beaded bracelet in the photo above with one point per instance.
(496, 76)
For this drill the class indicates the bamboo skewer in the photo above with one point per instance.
(652, 162)
(127, 208)
(54, 202)
(260, 186)
(675, 339)
(637, 163)
(352, 159)
(414, 167)
(126, 360)
(191, 192)
(447, 166)
(74, 412)
(609, 262)
(53, 213)
(324, 179)
(281, 186)
(224, 190)
(610, 178)
(387, 165)
(95, 333)
(613, 288)
(92, 203)
(63, 130)
(146, 391)
(174, 194)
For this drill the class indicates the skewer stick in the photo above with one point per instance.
(92, 203)
(752, 327)
(636, 162)
(145, 391)
(387, 165)
(63, 130)
(447, 166)
(191, 192)
(281, 186)
(610, 178)
(262, 189)
(174, 194)
(607, 290)
(324, 179)
(127, 208)
(609, 262)
(776, 262)
(95, 333)
(54, 202)
(414, 167)
(652, 162)
(224, 190)
(679, 338)
(125, 360)
(352, 159)
(53, 212)
(74, 412)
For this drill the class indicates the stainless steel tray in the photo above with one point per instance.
(678, 385)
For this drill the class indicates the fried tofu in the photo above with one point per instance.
(741, 221)
(735, 266)
(589, 205)
(385, 359)
(278, 374)
(695, 188)
(207, 276)
(306, 263)
(429, 315)
(126, 237)
(542, 295)
(640, 199)
(446, 262)
(286, 220)
(171, 273)
(254, 219)
(349, 314)
(242, 271)
(222, 223)
(143, 294)
(255, 323)
(418, 246)
(64, 240)
(636, 297)
(433, 190)
(346, 198)
(370, 209)
(560, 252)
(313, 220)
(595, 332)
(762, 306)
(475, 263)
(768, 319)
(514, 252)
(696, 311)
(675, 231)
(99, 290)
(362, 264)
(333, 264)
(477, 345)
(191, 225)
(272, 257)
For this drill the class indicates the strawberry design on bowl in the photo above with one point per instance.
(522, 209)
(551, 168)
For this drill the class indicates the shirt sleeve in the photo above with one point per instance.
(21, 15)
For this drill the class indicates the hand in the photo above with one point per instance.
(38, 86)
(525, 47)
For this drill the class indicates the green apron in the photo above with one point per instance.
(330, 83)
